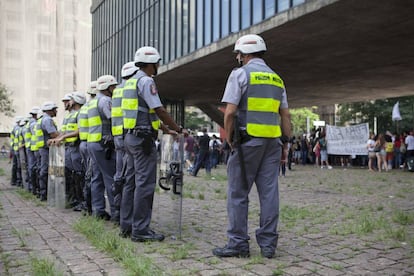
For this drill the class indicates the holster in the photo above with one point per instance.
(148, 140)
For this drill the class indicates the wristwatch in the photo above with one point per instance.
(284, 139)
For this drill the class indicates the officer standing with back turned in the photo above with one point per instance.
(255, 96)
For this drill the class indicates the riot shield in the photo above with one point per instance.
(23, 167)
(56, 186)
(171, 177)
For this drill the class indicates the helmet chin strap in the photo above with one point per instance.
(155, 69)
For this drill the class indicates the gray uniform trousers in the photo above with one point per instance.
(44, 171)
(31, 162)
(145, 173)
(262, 160)
(120, 152)
(102, 178)
(127, 199)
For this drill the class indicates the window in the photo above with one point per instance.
(246, 13)
(235, 16)
(200, 20)
(13, 35)
(269, 8)
(257, 11)
(225, 18)
(13, 53)
(282, 5)
(207, 22)
(216, 18)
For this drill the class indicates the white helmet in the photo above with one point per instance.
(92, 88)
(35, 110)
(147, 54)
(79, 97)
(17, 119)
(128, 69)
(105, 81)
(67, 97)
(249, 44)
(49, 105)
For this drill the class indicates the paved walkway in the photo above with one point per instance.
(333, 222)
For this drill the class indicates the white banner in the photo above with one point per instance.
(351, 140)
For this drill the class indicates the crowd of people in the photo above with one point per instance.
(385, 151)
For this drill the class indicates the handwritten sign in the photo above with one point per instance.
(351, 140)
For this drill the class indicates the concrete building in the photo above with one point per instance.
(45, 51)
(326, 51)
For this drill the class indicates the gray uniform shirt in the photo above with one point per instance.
(104, 109)
(148, 91)
(48, 126)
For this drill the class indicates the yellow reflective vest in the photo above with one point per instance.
(264, 95)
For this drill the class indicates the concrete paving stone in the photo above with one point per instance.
(382, 262)
(85, 267)
(91, 273)
(211, 272)
(296, 270)
(114, 272)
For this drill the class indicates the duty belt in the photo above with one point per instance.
(142, 133)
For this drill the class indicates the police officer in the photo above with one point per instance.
(31, 160)
(256, 94)
(101, 147)
(142, 107)
(86, 161)
(71, 138)
(127, 71)
(46, 131)
(16, 178)
(24, 143)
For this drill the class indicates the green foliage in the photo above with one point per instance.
(194, 121)
(6, 103)
(365, 112)
(298, 118)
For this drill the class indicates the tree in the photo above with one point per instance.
(366, 112)
(6, 103)
(194, 121)
(299, 116)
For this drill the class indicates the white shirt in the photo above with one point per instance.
(409, 141)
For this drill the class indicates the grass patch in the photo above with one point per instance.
(120, 249)
(403, 217)
(290, 215)
(2, 173)
(201, 196)
(20, 234)
(181, 251)
(4, 257)
(43, 267)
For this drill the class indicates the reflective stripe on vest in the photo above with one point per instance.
(27, 135)
(116, 112)
(83, 123)
(131, 105)
(72, 125)
(264, 94)
(33, 140)
(94, 122)
(16, 139)
(40, 139)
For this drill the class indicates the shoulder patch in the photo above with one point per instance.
(154, 89)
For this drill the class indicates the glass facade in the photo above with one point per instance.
(175, 27)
